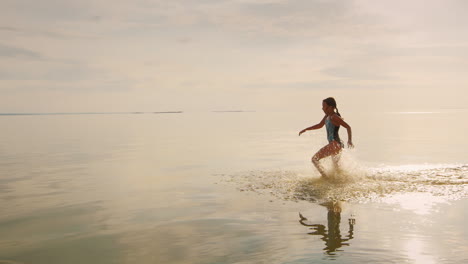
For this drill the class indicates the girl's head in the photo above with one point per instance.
(329, 106)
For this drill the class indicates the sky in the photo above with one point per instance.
(260, 55)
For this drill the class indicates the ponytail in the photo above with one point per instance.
(337, 112)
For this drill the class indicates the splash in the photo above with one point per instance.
(358, 185)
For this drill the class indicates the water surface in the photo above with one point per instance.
(228, 187)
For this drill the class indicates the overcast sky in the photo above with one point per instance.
(198, 55)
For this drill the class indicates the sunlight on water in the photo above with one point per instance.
(419, 203)
(416, 252)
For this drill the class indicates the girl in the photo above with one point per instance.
(332, 121)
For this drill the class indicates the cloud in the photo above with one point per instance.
(354, 72)
(292, 18)
(17, 52)
(156, 48)
(11, 29)
(184, 40)
(57, 71)
(50, 10)
(33, 31)
(331, 84)
(287, 18)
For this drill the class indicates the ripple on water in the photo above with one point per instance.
(363, 185)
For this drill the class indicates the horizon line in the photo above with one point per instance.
(90, 113)
(114, 113)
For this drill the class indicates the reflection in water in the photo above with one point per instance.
(332, 236)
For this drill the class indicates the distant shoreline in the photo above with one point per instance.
(91, 113)
(119, 113)
(233, 111)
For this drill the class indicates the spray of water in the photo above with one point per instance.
(356, 183)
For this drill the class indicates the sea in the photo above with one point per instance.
(232, 187)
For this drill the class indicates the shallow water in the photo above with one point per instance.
(449, 182)
(228, 188)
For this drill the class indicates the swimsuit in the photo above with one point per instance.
(332, 131)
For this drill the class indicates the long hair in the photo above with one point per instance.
(332, 102)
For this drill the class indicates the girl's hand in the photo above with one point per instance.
(350, 144)
(302, 131)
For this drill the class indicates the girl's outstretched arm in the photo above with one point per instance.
(339, 121)
(317, 126)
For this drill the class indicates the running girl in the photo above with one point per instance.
(332, 120)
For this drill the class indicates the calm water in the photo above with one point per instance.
(237, 187)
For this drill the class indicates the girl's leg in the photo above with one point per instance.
(336, 159)
(319, 167)
(333, 148)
